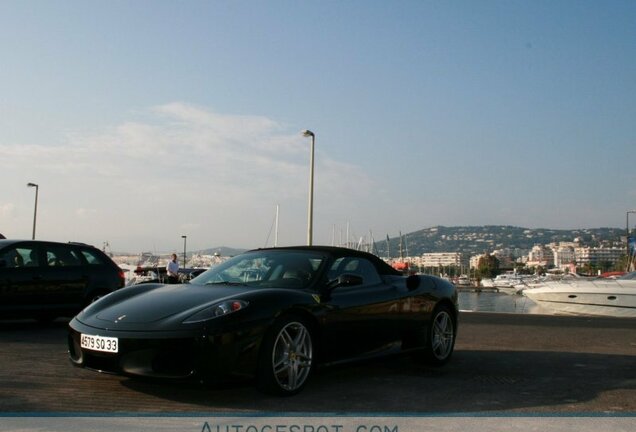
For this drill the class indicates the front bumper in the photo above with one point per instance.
(173, 355)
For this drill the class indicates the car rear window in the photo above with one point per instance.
(92, 258)
(58, 255)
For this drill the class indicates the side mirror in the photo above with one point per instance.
(340, 281)
(345, 280)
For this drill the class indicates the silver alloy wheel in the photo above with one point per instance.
(442, 335)
(292, 356)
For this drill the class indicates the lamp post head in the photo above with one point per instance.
(308, 133)
(31, 185)
(184, 236)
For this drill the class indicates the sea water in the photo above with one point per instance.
(497, 302)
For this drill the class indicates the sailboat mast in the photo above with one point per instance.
(276, 230)
(406, 246)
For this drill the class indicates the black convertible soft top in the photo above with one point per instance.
(336, 252)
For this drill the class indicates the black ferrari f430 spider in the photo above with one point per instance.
(269, 314)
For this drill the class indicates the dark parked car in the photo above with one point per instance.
(272, 314)
(41, 279)
(156, 274)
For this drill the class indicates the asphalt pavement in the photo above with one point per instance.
(503, 363)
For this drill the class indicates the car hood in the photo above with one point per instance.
(164, 303)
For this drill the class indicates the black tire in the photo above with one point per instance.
(440, 341)
(286, 357)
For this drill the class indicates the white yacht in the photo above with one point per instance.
(511, 283)
(597, 296)
(463, 280)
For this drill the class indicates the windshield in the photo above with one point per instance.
(267, 268)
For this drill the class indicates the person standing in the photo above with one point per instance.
(172, 268)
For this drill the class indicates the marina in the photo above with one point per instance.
(504, 294)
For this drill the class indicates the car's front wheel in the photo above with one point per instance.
(441, 337)
(286, 358)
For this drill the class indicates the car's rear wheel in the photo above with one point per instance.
(286, 358)
(441, 337)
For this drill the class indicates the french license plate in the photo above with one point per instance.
(99, 343)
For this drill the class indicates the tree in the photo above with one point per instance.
(487, 266)
(622, 264)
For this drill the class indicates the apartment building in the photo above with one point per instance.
(442, 259)
(597, 255)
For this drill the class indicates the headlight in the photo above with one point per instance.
(217, 310)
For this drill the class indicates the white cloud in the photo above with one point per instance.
(7, 210)
(184, 169)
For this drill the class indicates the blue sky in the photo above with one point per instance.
(144, 121)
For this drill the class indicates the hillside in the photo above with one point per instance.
(473, 240)
(223, 251)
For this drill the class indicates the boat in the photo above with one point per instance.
(588, 296)
(402, 266)
(487, 283)
(511, 283)
(463, 280)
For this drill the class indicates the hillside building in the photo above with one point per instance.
(585, 255)
(540, 256)
(442, 259)
(564, 256)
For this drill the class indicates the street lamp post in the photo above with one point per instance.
(184, 237)
(35, 212)
(310, 210)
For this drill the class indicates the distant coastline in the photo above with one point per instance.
(468, 240)
(475, 240)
